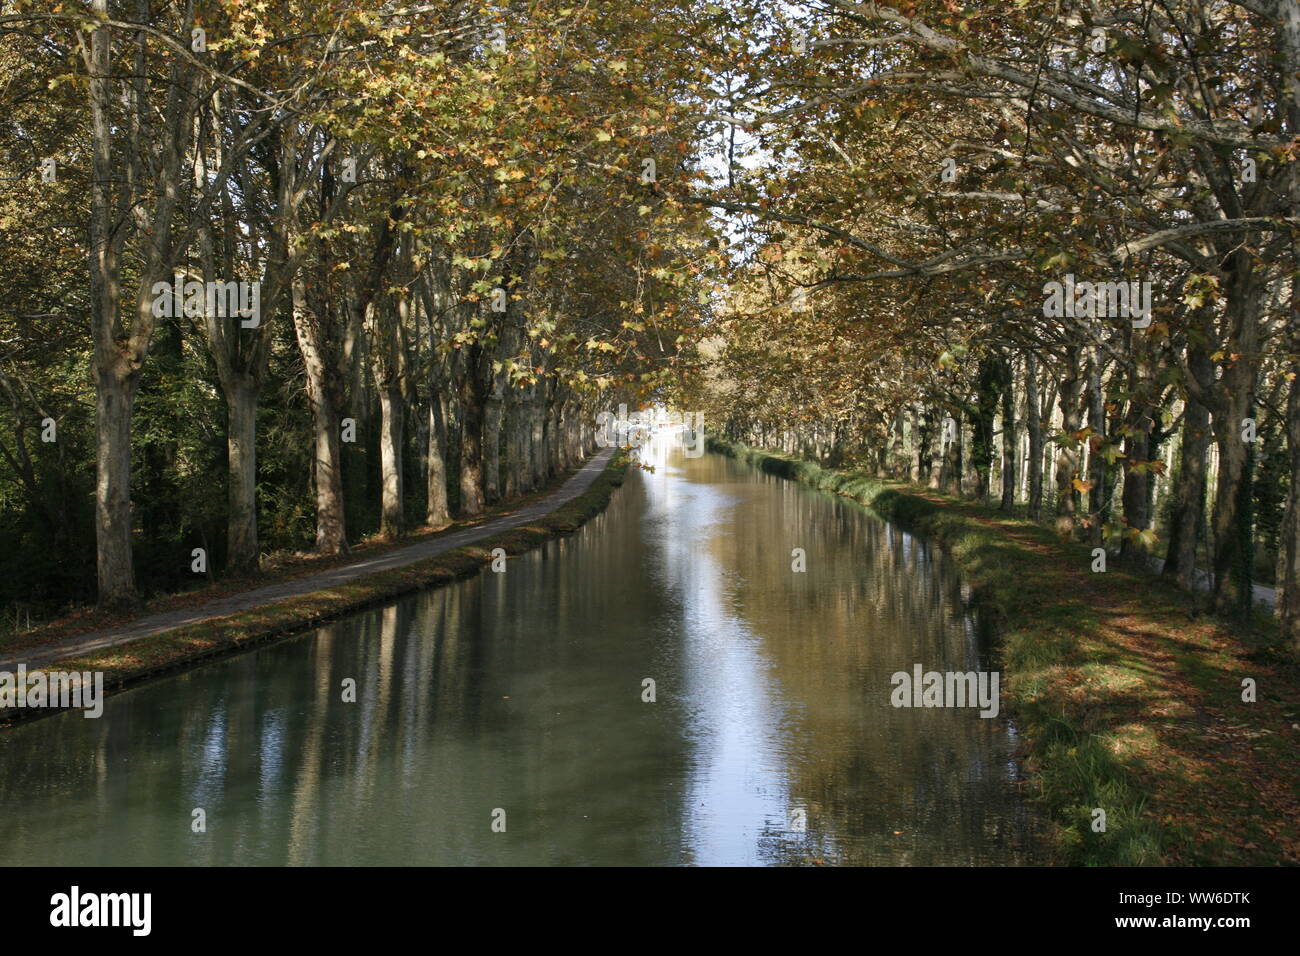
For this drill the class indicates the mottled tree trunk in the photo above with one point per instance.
(1137, 449)
(327, 471)
(1188, 514)
(390, 459)
(517, 468)
(114, 401)
(1067, 451)
(925, 448)
(241, 393)
(1288, 578)
(493, 414)
(1288, 575)
(897, 454)
(471, 448)
(1238, 388)
(537, 437)
(1140, 420)
(1098, 492)
(1009, 443)
(1034, 427)
(950, 470)
(436, 511)
(554, 441)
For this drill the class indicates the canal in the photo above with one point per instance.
(507, 719)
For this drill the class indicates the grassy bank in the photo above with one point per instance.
(1127, 699)
(150, 657)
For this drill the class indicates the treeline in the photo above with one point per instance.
(279, 276)
(1037, 253)
(1042, 251)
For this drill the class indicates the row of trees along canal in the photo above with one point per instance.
(887, 191)
(454, 220)
(919, 174)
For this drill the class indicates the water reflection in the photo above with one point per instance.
(521, 692)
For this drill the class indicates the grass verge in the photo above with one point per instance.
(1128, 700)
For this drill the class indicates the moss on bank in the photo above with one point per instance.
(150, 657)
(1118, 690)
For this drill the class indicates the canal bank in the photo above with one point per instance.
(659, 688)
(1128, 703)
(136, 659)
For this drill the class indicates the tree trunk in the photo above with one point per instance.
(950, 468)
(897, 452)
(1140, 420)
(989, 389)
(241, 450)
(390, 459)
(327, 471)
(1009, 442)
(1035, 426)
(554, 441)
(1288, 575)
(1098, 492)
(1188, 514)
(493, 414)
(925, 448)
(537, 436)
(114, 401)
(436, 513)
(471, 446)
(517, 465)
(1238, 388)
(1067, 450)
(1137, 449)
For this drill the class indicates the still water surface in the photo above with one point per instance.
(771, 739)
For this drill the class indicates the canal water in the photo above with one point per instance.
(506, 719)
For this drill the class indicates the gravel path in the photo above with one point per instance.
(1260, 593)
(273, 594)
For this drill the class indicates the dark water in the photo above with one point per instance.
(522, 692)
